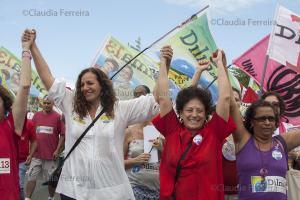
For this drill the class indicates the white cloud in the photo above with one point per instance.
(218, 5)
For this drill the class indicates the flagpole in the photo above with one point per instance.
(263, 75)
(216, 78)
(268, 51)
(159, 39)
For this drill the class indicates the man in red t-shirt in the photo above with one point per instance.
(27, 140)
(49, 130)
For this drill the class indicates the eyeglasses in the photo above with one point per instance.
(264, 118)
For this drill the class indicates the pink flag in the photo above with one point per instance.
(284, 45)
(252, 61)
(278, 77)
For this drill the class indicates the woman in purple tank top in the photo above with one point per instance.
(261, 159)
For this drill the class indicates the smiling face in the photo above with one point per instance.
(193, 115)
(264, 121)
(90, 88)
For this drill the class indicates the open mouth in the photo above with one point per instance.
(194, 121)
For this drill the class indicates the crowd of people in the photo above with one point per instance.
(204, 151)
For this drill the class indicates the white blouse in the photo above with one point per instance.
(95, 169)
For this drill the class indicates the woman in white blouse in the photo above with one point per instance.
(95, 170)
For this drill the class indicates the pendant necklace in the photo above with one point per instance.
(263, 170)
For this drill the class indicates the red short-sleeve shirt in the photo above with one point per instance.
(9, 167)
(201, 173)
(48, 127)
(28, 134)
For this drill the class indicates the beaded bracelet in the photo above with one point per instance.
(26, 54)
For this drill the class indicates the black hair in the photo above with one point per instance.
(189, 93)
(251, 112)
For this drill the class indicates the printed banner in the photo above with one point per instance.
(284, 45)
(192, 43)
(113, 55)
(278, 77)
(10, 67)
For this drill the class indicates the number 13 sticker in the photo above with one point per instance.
(4, 165)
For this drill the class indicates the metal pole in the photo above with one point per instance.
(183, 23)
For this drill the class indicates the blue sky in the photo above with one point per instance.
(69, 43)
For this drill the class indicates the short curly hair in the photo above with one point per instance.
(107, 96)
(280, 100)
(251, 112)
(7, 98)
(189, 93)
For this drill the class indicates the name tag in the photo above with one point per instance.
(44, 129)
(4, 166)
(270, 184)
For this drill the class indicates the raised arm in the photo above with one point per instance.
(202, 65)
(40, 64)
(162, 87)
(240, 135)
(224, 86)
(19, 108)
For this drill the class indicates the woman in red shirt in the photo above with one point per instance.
(11, 125)
(199, 174)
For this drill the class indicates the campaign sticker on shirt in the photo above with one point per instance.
(136, 168)
(80, 121)
(276, 154)
(228, 150)
(105, 119)
(197, 139)
(269, 184)
(151, 166)
(44, 129)
(4, 166)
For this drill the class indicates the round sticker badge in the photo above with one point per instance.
(197, 139)
(136, 168)
(276, 154)
(228, 150)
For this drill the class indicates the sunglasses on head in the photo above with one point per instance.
(264, 118)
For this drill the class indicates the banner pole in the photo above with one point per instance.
(159, 39)
(216, 78)
(263, 75)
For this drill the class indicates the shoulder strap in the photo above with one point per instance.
(178, 166)
(282, 143)
(83, 134)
